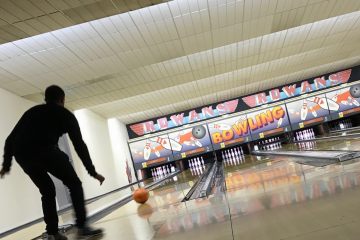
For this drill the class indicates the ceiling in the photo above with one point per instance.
(25, 18)
(143, 62)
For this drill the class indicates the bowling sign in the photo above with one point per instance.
(310, 111)
(229, 132)
(151, 151)
(348, 101)
(191, 142)
(268, 122)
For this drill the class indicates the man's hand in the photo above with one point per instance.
(3, 172)
(100, 178)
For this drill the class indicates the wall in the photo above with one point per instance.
(20, 199)
(107, 143)
(104, 151)
(119, 137)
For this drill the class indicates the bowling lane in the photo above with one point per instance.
(345, 132)
(276, 198)
(164, 216)
(173, 190)
(102, 203)
(335, 144)
(66, 217)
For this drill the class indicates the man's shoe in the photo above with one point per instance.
(89, 232)
(57, 236)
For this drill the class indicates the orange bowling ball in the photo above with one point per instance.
(141, 195)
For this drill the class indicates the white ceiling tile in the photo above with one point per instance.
(176, 55)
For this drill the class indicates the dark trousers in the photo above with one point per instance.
(56, 163)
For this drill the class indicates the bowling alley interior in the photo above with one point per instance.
(209, 119)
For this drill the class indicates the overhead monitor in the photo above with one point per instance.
(190, 142)
(229, 132)
(151, 152)
(268, 122)
(309, 111)
(347, 100)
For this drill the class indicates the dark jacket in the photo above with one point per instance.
(38, 131)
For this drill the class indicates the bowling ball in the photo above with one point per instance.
(145, 210)
(355, 91)
(141, 195)
(199, 132)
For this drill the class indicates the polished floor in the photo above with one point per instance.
(267, 198)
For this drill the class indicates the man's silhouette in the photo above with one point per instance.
(34, 144)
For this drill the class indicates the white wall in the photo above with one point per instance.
(19, 199)
(108, 162)
(119, 137)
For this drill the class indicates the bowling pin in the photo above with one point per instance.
(168, 143)
(332, 105)
(192, 172)
(197, 171)
(221, 126)
(313, 112)
(164, 170)
(198, 143)
(303, 111)
(355, 102)
(236, 153)
(147, 151)
(189, 143)
(157, 153)
(334, 98)
(300, 136)
(279, 122)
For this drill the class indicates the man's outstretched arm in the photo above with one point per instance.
(9, 149)
(81, 148)
(8, 154)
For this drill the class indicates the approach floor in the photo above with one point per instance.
(267, 198)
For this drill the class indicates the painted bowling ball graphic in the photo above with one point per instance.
(355, 91)
(199, 132)
(141, 195)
